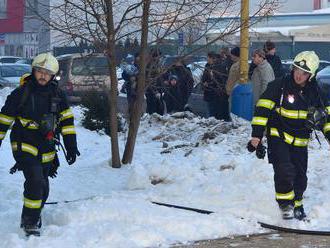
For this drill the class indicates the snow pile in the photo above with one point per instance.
(180, 159)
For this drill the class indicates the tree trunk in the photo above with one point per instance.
(137, 106)
(113, 115)
(111, 53)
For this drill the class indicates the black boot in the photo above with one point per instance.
(299, 213)
(287, 212)
(31, 229)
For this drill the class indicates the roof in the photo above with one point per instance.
(283, 30)
(79, 55)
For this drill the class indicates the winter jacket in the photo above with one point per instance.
(173, 98)
(276, 64)
(130, 75)
(185, 81)
(28, 135)
(233, 77)
(153, 88)
(285, 119)
(262, 75)
(227, 63)
(214, 82)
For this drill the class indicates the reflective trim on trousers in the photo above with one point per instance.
(32, 203)
(286, 196)
(68, 130)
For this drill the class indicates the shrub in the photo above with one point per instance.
(96, 112)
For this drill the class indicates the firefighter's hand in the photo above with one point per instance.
(72, 155)
(255, 142)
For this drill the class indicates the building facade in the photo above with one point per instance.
(23, 32)
(293, 32)
(289, 6)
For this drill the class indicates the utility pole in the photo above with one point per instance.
(242, 96)
(244, 39)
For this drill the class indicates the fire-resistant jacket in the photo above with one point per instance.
(282, 111)
(26, 136)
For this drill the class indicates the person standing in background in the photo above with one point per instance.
(262, 74)
(273, 59)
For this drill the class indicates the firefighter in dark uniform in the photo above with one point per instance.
(288, 111)
(37, 111)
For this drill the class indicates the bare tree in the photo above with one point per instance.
(105, 22)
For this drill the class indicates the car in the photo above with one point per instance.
(323, 79)
(24, 61)
(196, 103)
(288, 62)
(9, 59)
(197, 69)
(79, 74)
(168, 60)
(11, 73)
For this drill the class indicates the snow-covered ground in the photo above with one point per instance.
(185, 161)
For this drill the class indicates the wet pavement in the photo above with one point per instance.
(267, 240)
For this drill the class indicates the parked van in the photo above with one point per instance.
(79, 74)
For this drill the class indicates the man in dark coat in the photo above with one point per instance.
(173, 95)
(214, 85)
(153, 93)
(185, 80)
(273, 59)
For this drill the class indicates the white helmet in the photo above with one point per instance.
(307, 61)
(46, 61)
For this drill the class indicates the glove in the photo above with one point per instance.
(14, 168)
(72, 155)
(250, 147)
(260, 150)
(53, 169)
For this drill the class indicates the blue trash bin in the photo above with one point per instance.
(242, 101)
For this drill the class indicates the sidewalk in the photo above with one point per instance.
(268, 240)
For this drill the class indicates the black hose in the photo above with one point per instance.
(70, 201)
(201, 211)
(292, 230)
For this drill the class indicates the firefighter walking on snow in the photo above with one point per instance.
(288, 112)
(37, 111)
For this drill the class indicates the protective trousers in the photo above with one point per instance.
(290, 167)
(36, 188)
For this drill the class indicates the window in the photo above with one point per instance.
(90, 66)
(31, 7)
(14, 70)
(3, 9)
